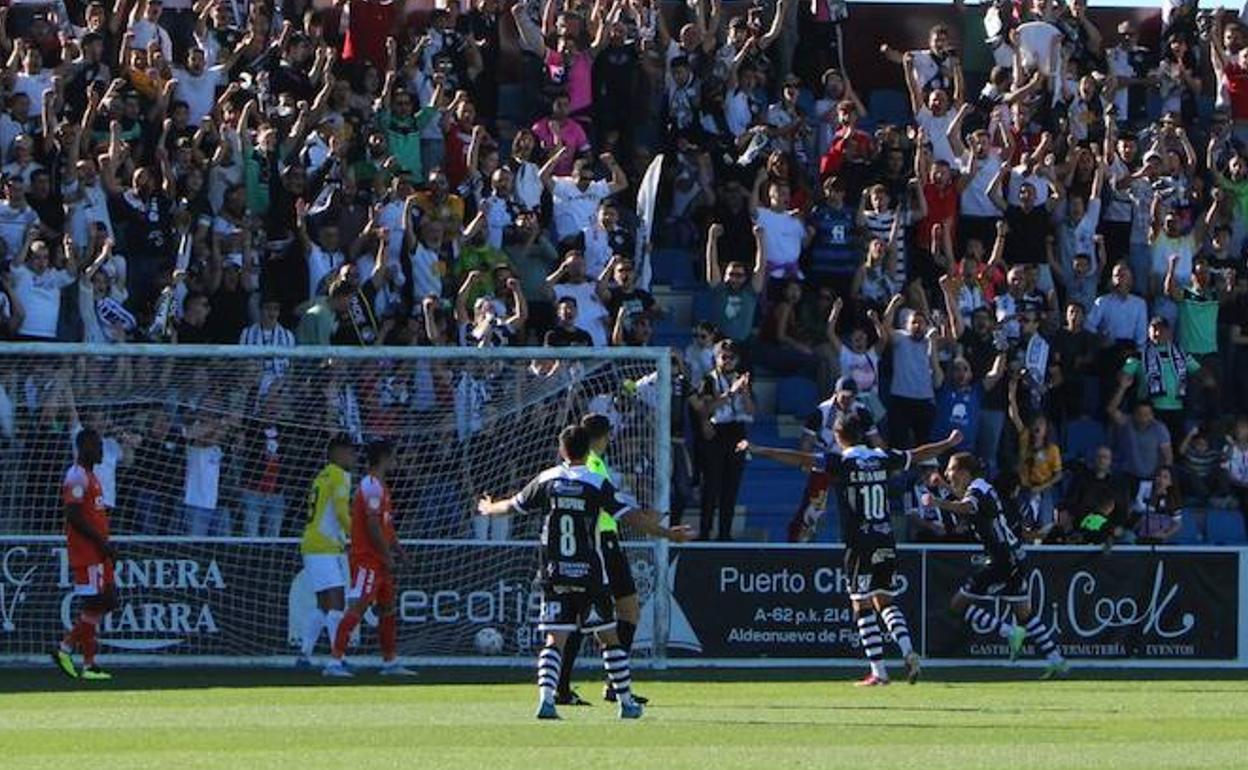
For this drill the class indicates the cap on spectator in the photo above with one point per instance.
(234, 260)
(847, 385)
(792, 80)
(1152, 155)
(1159, 321)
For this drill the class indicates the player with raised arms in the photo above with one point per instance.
(569, 497)
(324, 540)
(860, 474)
(619, 572)
(91, 557)
(374, 550)
(1000, 574)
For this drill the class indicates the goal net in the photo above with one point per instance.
(208, 458)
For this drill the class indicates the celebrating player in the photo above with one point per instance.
(1000, 576)
(619, 573)
(819, 432)
(324, 539)
(861, 474)
(374, 549)
(90, 556)
(574, 590)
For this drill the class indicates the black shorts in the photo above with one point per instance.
(591, 610)
(619, 571)
(871, 566)
(996, 580)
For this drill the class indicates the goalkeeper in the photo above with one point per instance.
(323, 545)
(619, 573)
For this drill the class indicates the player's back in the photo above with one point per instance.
(328, 501)
(861, 475)
(570, 498)
(372, 500)
(82, 488)
(989, 523)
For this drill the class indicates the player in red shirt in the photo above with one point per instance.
(90, 557)
(374, 549)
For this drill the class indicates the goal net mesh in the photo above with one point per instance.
(208, 464)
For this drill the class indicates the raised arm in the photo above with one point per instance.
(619, 179)
(462, 314)
(954, 132)
(758, 279)
(547, 172)
(1016, 418)
(953, 317)
(1171, 285)
(714, 276)
(530, 35)
(913, 88)
(834, 321)
(931, 451)
(792, 457)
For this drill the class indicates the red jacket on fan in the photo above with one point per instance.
(370, 23)
(830, 163)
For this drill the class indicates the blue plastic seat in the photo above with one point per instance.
(1082, 437)
(796, 396)
(1190, 534)
(889, 105)
(703, 306)
(1225, 527)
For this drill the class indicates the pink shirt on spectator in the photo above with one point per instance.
(573, 137)
(575, 78)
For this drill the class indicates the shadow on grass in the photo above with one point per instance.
(48, 679)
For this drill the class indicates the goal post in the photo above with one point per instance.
(209, 454)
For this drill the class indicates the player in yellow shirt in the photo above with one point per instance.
(324, 544)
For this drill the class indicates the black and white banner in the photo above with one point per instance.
(751, 602)
(236, 599)
(1156, 605)
(248, 598)
(789, 602)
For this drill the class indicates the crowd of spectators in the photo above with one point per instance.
(1055, 241)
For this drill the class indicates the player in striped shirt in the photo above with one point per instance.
(619, 572)
(569, 498)
(374, 550)
(1000, 576)
(90, 557)
(324, 540)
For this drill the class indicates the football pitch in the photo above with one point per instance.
(704, 720)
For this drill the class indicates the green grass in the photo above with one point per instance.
(707, 720)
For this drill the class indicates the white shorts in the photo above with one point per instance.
(324, 571)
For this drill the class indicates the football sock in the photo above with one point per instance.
(627, 631)
(332, 620)
(1042, 635)
(895, 619)
(615, 661)
(312, 631)
(347, 624)
(571, 649)
(872, 642)
(91, 621)
(388, 635)
(977, 617)
(548, 664)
